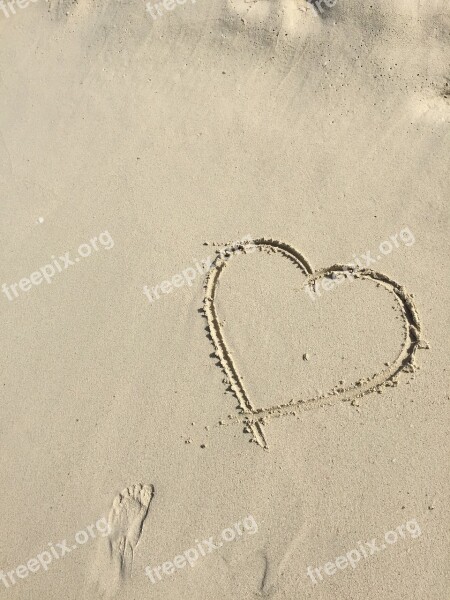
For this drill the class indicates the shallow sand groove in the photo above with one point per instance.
(255, 418)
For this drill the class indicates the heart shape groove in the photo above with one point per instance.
(255, 418)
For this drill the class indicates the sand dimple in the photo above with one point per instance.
(288, 16)
(61, 9)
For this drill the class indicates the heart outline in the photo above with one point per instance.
(255, 418)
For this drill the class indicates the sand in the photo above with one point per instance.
(184, 421)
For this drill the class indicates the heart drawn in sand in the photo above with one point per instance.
(254, 418)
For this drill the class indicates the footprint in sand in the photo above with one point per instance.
(126, 520)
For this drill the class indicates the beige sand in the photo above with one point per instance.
(141, 146)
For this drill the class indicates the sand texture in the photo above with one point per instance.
(224, 301)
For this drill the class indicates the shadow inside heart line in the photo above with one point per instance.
(254, 419)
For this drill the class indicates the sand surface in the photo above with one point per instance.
(284, 408)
